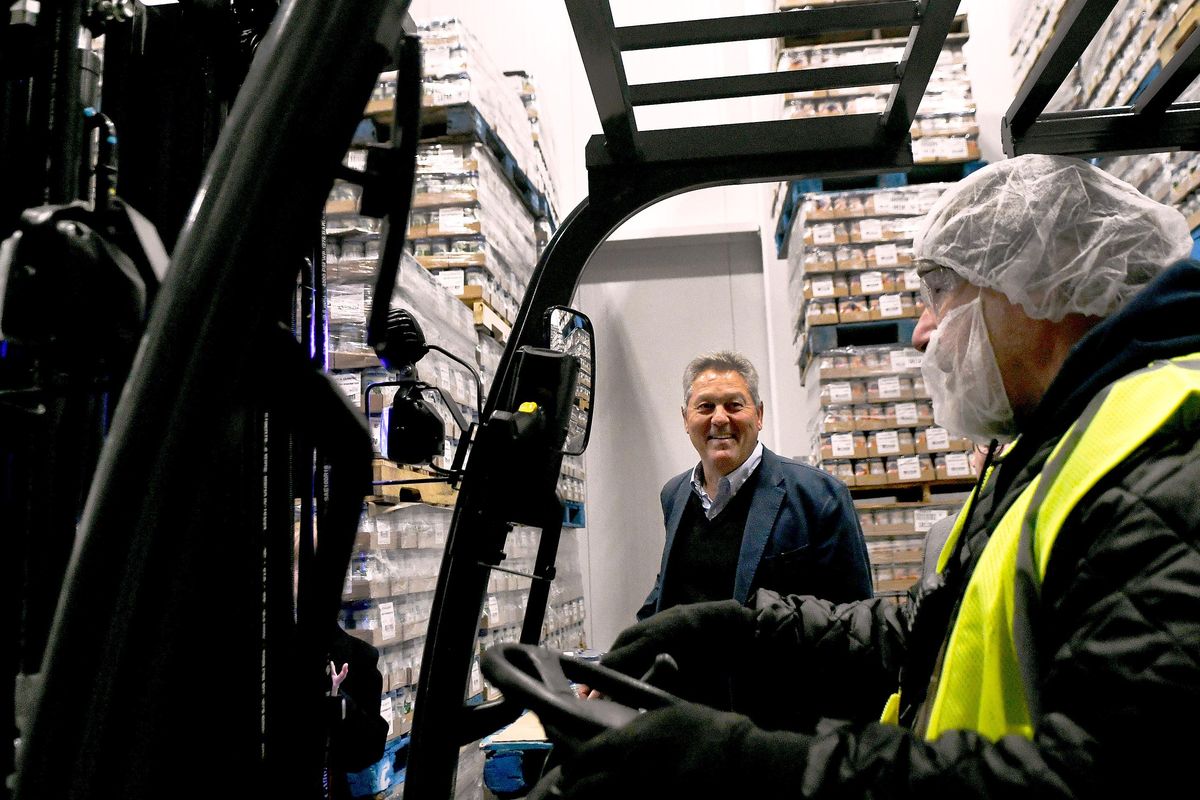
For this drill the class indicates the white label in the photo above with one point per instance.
(912, 281)
(840, 393)
(351, 385)
(909, 468)
(843, 444)
(925, 149)
(476, 679)
(385, 711)
(886, 255)
(387, 619)
(906, 413)
(889, 305)
(348, 304)
(957, 465)
(913, 359)
(451, 220)
(954, 148)
(899, 359)
(384, 537)
(453, 280)
(937, 439)
(872, 282)
(923, 518)
(870, 230)
(885, 203)
(823, 234)
(493, 604)
(889, 388)
(822, 287)
(887, 443)
(376, 434)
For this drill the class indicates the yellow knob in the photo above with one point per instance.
(528, 407)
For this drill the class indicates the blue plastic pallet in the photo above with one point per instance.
(573, 515)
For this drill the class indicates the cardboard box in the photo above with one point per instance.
(843, 392)
(890, 443)
(909, 469)
(873, 282)
(889, 388)
(843, 445)
(854, 309)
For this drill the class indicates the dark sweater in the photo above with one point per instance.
(705, 556)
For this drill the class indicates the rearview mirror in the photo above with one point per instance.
(569, 331)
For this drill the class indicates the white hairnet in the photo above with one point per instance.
(1053, 234)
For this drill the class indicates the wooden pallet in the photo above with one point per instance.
(437, 494)
(489, 322)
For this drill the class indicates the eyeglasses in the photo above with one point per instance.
(938, 285)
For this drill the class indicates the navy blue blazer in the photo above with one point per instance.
(802, 536)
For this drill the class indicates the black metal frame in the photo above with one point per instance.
(154, 658)
(1154, 123)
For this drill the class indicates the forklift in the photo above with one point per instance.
(160, 418)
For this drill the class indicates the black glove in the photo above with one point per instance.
(703, 638)
(684, 750)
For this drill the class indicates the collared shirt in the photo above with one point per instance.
(727, 487)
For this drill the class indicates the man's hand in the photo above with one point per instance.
(685, 750)
(703, 638)
(338, 676)
(585, 692)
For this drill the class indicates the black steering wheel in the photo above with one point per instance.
(540, 680)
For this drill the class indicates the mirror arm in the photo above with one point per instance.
(470, 369)
(450, 403)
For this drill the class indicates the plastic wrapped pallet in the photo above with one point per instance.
(462, 200)
(457, 69)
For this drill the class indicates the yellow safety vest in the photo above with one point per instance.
(989, 679)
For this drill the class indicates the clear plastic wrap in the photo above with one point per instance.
(461, 192)
(457, 69)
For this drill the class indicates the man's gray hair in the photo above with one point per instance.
(721, 361)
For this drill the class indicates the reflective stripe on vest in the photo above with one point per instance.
(989, 676)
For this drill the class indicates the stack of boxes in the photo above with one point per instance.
(876, 433)
(877, 420)
(388, 595)
(1137, 40)
(469, 227)
(944, 129)
(850, 260)
(527, 88)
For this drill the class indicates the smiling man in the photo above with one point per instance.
(745, 518)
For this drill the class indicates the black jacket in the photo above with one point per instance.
(357, 733)
(1118, 625)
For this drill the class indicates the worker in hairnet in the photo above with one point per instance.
(1056, 652)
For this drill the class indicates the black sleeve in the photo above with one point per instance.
(812, 659)
(1119, 626)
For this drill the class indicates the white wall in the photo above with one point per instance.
(990, 67)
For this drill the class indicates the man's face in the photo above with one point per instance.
(722, 421)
